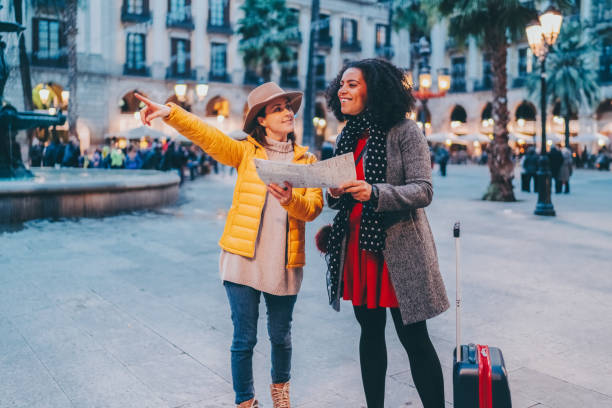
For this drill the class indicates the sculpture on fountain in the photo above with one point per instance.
(11, 120)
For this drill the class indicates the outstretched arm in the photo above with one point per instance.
(221, 147)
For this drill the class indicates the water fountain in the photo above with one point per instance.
(56, 193)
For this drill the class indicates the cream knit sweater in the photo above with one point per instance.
(267, 271)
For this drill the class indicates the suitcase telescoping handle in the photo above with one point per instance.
(456, 233)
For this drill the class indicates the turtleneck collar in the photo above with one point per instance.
(280, 147)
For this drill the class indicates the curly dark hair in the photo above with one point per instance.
(389, 93)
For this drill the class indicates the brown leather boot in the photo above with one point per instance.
(252, 403)
(280, 395)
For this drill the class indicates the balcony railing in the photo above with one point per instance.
(172, 73)
(295, 38)
(291, 82)
(320, 83)
(219, 77)
(457, 86)
(131, 17)
(40, 60)
(137, 71)
(353, 46)
(325, 42)
(224, 28)
(519, 82)
(486, 84)
(180, 19)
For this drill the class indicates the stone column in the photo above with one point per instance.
(438, 50)
(472, 64)
(334, 62)
(235, 64)
(303, 53)
(199, 15)
(159, 46)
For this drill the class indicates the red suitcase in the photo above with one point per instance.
(480, 379)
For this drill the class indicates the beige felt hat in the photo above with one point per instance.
(262, 95)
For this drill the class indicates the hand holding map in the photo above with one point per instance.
(328, 173)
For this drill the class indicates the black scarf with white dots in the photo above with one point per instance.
(371, 233)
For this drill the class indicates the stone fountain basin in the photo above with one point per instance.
(67, 192)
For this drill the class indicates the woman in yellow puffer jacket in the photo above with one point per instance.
(263, 240)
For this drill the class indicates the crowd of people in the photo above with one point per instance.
(158, 155)
(562, 163)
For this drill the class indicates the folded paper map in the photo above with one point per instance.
(324, 174)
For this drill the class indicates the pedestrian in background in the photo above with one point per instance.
(381, 253)
(117, 158)
(566, 170)
(442, 157)
(263, 242)
(133, 160)
(556, 160)
(530, 169)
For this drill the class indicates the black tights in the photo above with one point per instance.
(424, 363)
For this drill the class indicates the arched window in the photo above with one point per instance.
(525, 111)
(218, 106)
(129, 104)
(458, 114)
(486, 117)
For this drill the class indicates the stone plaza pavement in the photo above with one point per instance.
(128, 311)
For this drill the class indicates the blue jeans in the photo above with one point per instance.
(244, 305)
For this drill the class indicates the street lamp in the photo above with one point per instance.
(541, 36)
(444, 80)
(201, 91)
(65, 97)
(44, 94)
(424, 92)
(180, 90)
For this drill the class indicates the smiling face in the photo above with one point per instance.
(353, 92)
(279, 118)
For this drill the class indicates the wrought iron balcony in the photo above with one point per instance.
(224, 28)
(291, 82)
(457, 85)
(519, 82)
(142, 70)
(180, 19)
(41, 60)
(320, 83)
(219, 77)
(325, 42)
(485, 84)
(173, 73)
(252, 78)
(128, 16)
(353, 46)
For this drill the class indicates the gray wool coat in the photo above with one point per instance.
(410, 251)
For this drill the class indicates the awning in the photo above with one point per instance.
(591, 138)
(447, 138)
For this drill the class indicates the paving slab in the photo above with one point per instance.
(129, 311)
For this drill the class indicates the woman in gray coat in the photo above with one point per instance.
(381, 253)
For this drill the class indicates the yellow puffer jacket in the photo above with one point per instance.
(244, 216)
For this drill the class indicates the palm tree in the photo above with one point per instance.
(493, 23)
(266, 31)
(572, 76)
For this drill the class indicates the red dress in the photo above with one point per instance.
(365, 274)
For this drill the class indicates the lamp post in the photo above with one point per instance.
(424, 92)
(180, 90)
(541, 36)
